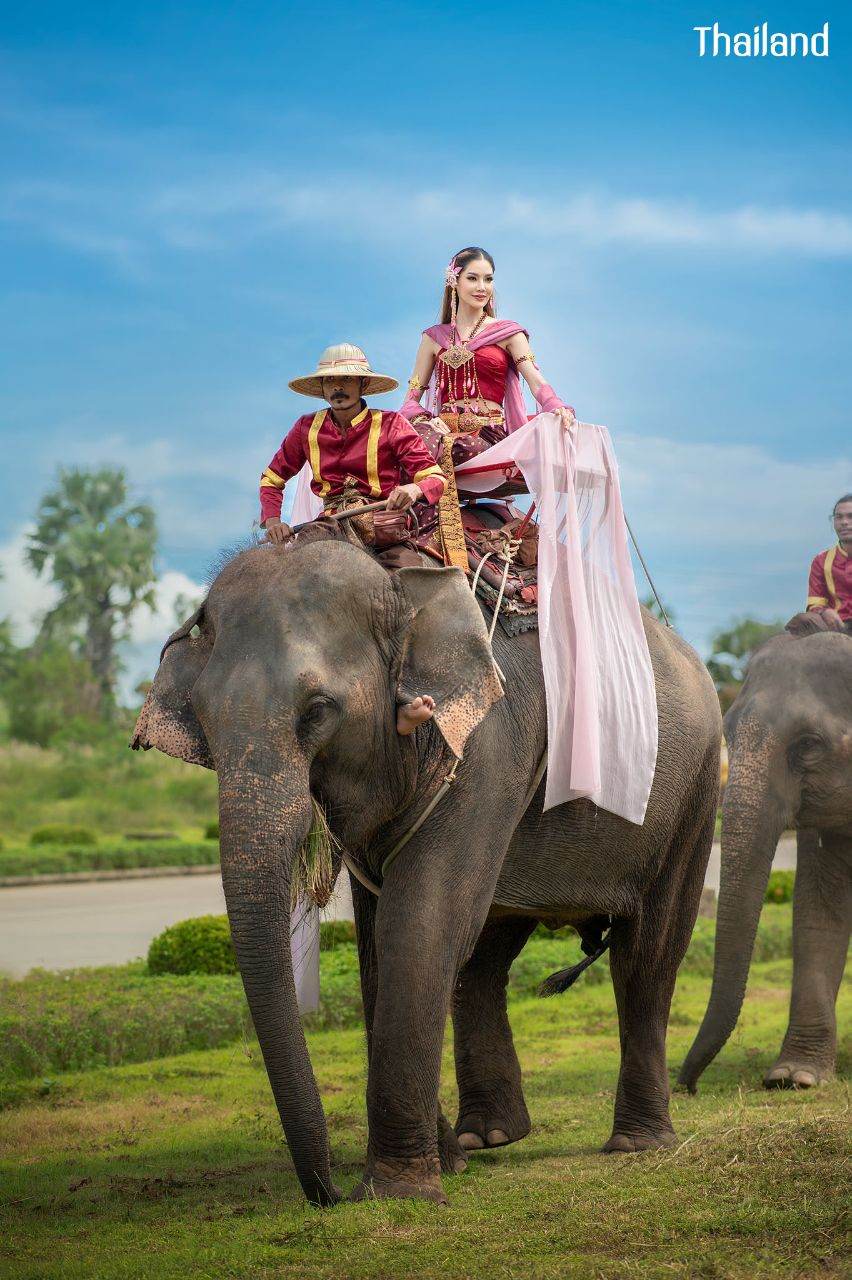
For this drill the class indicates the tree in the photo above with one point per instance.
(47, 691)
(99, 551)
(731, 652)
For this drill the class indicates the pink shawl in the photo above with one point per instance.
(599, 685)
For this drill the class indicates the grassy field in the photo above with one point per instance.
(177, 1167)
(108, 789)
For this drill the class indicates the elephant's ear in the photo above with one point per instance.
(446, 652)
(167, 720)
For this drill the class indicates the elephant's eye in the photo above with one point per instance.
(318, 711)
(805, 747)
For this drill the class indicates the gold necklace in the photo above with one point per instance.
(458, 353)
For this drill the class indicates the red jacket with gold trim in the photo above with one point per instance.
(379, 450)
(830, 582)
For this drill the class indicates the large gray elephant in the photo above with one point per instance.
(789, 736)
(288, 689)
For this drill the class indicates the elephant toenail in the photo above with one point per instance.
(496, 1138)
(470, 1142)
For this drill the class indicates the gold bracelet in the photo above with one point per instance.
(528, 356)
(414, 383)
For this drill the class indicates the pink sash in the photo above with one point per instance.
(599, 685)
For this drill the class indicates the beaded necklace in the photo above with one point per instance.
(457, 378)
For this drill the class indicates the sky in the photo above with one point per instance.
(196, 199)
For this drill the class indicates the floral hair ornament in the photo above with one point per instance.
(453, 272)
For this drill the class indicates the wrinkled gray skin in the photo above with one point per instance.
(292, 684)
(789, 737)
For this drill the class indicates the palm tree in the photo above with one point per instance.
(99, 550)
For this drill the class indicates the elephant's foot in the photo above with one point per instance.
(796, 1074)
(645, 1140)
(453, 1158)
(418, 1179)
(478, 1132)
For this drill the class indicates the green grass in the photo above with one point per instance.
(53, 1022)
(177, 1167)
(107, 788)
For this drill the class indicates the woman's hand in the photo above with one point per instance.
(567, 418)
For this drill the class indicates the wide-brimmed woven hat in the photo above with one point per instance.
(348, 360)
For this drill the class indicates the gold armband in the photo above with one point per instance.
(414, 383)
(528, 356)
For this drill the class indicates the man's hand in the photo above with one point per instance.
(276, 531)
(833, 619)
(401, 498)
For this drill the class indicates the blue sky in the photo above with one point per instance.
(196, 199)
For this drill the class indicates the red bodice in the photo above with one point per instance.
(492, 366)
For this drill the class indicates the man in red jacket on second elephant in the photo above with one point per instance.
(356, 455)
(830, 581)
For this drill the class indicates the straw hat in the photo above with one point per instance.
(348, 360)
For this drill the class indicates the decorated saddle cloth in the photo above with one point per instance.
(494, 532)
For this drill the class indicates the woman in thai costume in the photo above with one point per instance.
(471, 363)
(599, 686)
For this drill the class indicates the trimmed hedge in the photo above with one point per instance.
(211, 831)
(46, 860)
(780, 887)
(59, 833)
(200, 945)
(101, 1017)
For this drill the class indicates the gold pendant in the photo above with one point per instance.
(456, 355)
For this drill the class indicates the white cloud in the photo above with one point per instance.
(263, 203)
(728, 530)
(24, 596)
(127, 225)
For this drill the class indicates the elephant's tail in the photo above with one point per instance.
(565, 978)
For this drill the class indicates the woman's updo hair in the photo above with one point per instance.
(463, 259)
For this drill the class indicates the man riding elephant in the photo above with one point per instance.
(356, 456)
(829, 605)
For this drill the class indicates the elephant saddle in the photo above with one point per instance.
(495, 533)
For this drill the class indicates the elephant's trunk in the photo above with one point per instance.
(263, 822)
(754, 814)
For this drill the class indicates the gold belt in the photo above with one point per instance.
(466, 422)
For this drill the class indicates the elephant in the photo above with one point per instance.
(789, 734)
(285, 682)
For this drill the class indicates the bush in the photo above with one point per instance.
(200, 945)
(211, 831)
(58, 833)
(86, 1018)
(334, 933)
(780, 887)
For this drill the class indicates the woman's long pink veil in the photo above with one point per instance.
(599, 685)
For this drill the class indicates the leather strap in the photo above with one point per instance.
(433, 803)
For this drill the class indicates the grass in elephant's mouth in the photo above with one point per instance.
(176, 1168)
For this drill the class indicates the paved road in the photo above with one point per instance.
(61, 926)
